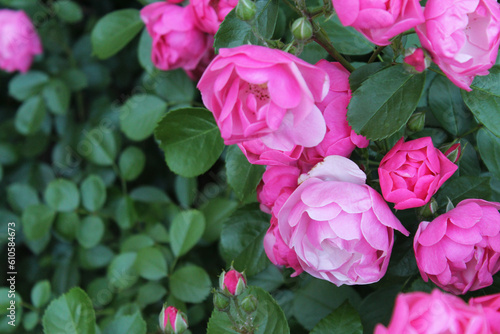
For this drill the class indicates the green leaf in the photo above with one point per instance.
(448, 107)
(131, 163)
(144, 51)
(384, 102)
(364, 72)
(484, 100)
(93, 192)
(93, 258)
(122, 273)
(125, 213)
(136, 242)
(5, 303)
(115, 30)
(173, 86)
(37, 221)
(57, 96)
(90, 232)
(463, 187)
(346, 39)
(190, 284)
(30, 116)
(216, 211)
(344, 320)
(140, 114)
(242, 176)
(241, 240)
(98, 146)
(489, 149)
(150, 293)
(71, 313)
(30, 320)
(373, 312)
(186, 190)
(151, 264)
(62, 195)
(233, 32)
(20, 196)
(187, 228)
(149, 194)
(23, 86)
(40, 294)
(133, 324)
(190, 139)
(68, 11)
(75, 79)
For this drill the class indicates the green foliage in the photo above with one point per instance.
(190, 284)
(242, 176)
(344, 320)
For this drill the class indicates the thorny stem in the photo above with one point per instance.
(376, 53)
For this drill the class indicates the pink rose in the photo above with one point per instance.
(379, 20)
(340, 138)
(460, 250)
(435, 313)
(257, 92)
(19, 42)
(462, 37)
(233, 281)
(172, 320)
(276, 181)
(417, 59)
(491, 306)
(259, 154)
(210, 14)
(340, 228)
(412, 172)
(177, 43)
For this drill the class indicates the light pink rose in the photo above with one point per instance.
(340, 228)
(491, 306)
(259, 154)
(435, 313)
(276, 180)
(210, 14)
(462, 37)
(412, 172)
(177, 42)
(340, 138)
(379, 20)
(460, 250)
(19, 41)
(256, 92)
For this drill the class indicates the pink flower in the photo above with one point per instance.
(412, 172)
(417, 59)
(460, 250)
(19, 42)
(259, 154)
(257, 92)
(172, 320)
(276, 180)
(340, 138)
(491, 306)
(435, 313)
(233, 281)
(462, 37)
(340, 228)
(210, 14)
(379, 20)
(177, 43)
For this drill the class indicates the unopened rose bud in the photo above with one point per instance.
(302, 29)
(417, 59)
(450, 205)
(172, 321)
(245, 10)
(233, 281)
(416, 122)
(430, 208)
(249, 304)
(453, 152)
(221, 302)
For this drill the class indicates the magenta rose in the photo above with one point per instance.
(259, 154)
(491, 306)
(340, 138)
(412, 172)
(19, 41)
(438, 312)
(276, 180)
(256, 92)
(233, 281)
(210, 14)
(177, 42)
(462, 37)
(379, 20)
(172, 320)
(460, 250)
(341, 229)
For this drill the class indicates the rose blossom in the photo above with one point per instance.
(435, 313)
(462, 37)
(379, 20)
(172, 320)
(233, 281)
(210, 14)
(340, 138)
(257, 92)
(340, 228)
(411, 172)
(275, 181)
(259, 154)
(177, 43)
(460, 250)
(19, 42)
(491, 306)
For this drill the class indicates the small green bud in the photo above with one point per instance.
(221, 302)
(416, 122)
(245, 10)
(449, 206)
(249, 304)
(302, 29)
(430, 208)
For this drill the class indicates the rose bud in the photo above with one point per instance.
(453, 152)
(249, 304)
(302, 29)
(417, 60)
(416, 122)
(172, 321)
(232, 281)
(245, 10)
